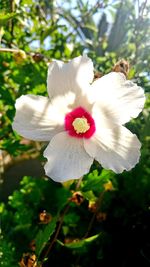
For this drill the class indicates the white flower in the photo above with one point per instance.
(82, 120)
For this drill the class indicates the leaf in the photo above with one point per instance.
(81, 243)
(48, 31)
(89, 195)
(7, 253)
(71, 219)
(95, 181)
(78, 244)
(118, 33)
(5, 17)
(44, 235)
(26, 2)
(102, 26)
(91, 27)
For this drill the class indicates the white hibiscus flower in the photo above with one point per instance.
(82, 120)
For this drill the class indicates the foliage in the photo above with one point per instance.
(106, 219)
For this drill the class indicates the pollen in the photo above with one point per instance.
(81, 125)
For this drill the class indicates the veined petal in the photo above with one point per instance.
(121, 98)
(117, 149)
(39, 119)
(76, 75)
(104, 117)
(67, 158)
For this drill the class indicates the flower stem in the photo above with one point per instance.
(98, 205)
(79, 183)
(56, 233)
(60, 224)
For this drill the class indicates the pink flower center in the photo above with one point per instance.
(79, 123)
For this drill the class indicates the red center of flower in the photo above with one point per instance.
(79, 123)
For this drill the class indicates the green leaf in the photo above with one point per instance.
(78, 244)
(44, 235)
(95, 181)
(5, 17)
(27, 2)
(89, 195)
(72, 219)
(91, 27)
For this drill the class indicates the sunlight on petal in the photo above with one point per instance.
(76, 75)
(39, 119)
(116, 149)
(67, 158)
(123, 98)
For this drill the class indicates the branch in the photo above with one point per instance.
(12, 50)
(142, 9)
(98, 205)
(11, 22)
(57, 232)
(60, 224)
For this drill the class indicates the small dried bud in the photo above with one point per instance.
(19, 56)
(101, 216)
(37, 57)
(5, 64)
(45, 217)
(122, 66)
(108, 186)
(28, 260)
(32, 261)
(77, 198)
(92, 207)
(21, 263)
(97, 75)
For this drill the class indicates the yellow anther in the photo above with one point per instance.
(81, 125)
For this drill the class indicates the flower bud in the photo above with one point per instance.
(37, 57)
(45, 217)
(108, 186)
(19, 56)
(77, 198)
(122, 66)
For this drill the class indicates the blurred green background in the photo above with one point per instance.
(106, 220)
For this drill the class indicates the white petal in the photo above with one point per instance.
(117, 149)
(76, 75)
(103, 116)
(121, 98)
(67, 158)
(39, 119)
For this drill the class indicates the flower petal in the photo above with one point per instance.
(76, 75)
(103, 116)
(117, 149)
(121, 98)
(67, 158)
(39, 119)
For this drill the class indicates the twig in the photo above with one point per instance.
(79, 183)
(136, 30)
(57, 232)
(138, 6)
(142, 10)
(12, 50)
(11, 22)
(98, 205)
(32, 54)
(60, 224)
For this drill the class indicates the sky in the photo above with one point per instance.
(72, 5)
